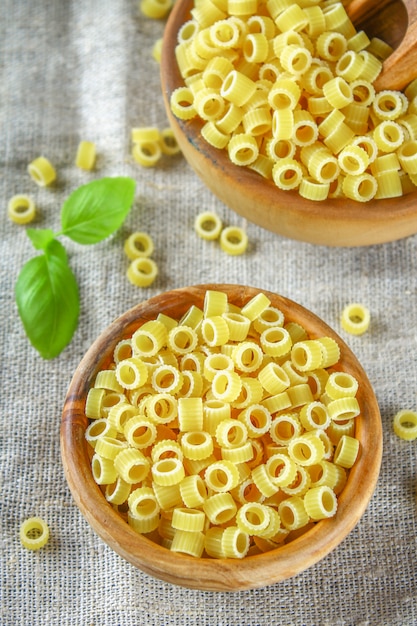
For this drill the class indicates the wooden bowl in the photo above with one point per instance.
(340, 222)
(206, 573)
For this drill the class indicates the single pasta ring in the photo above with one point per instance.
(34, 533)
(21, 209)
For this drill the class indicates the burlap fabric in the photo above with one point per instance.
(74, 70)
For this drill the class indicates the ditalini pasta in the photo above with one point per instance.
(265, 79)
(21, 209)
(149, 143)
(34, 533)
(220, 433)
(138, 244)
(42, 172)
(86, 155)
(405, 424)
(147, 153)
(355, 318)
(156, 9)
(142, 272)
(208, 225)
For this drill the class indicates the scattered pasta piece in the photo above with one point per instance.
(208, 225)
(405, 424)
(86, 155)
(146, 148)
(34, 533)
(156, 9)
(137, 245)
(157, 50)
(355, 319)
(233, 240)
(149, 144)
(147, 153)
(142, 272)
(42, 171)
(215, 443)
(168, 141)
(21, 209)
(144, 134)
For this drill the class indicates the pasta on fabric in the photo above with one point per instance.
(86, 155)
(21, 209)
(34, 533)
(42, 172)
(405, 424)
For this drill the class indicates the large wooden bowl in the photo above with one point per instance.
(205, 573)
(341, 222)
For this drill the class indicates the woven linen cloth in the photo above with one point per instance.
(76, 70)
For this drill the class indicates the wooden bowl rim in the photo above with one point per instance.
(339, 220)
(205, 573)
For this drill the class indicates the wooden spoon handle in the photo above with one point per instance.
(389, 17)
(400, 68)
(361, 10)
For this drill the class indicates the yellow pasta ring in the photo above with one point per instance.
(182, 103)
(188, 519)
(157, 50)
(147, 153)
(243, 149)
(253, 518)
(138, 244)
(355, 318)
(234, 543)
(142, 272)
(140, 134)
(34, 533)
(292, 513)
(208, 225)
(143, 502)
(21, 209)
(86, 155)
(103, 470)
(233, 240)
(188, 542)
(197, 445)
(42, 171)
(168, 142)
(346, 451)
(287, 173)
(320, 502)
(155, 9)
(405, 424)
(313, 190)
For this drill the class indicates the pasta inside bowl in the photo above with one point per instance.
(332, 221)
(254, 563)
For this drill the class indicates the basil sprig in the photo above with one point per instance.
(46, 290)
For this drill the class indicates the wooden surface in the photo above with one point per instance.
(341, 222)
(212, 574)
(395, 22)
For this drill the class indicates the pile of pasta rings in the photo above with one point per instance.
(287, 90)
(224, 433)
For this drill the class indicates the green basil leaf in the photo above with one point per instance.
(40, 237)
(55, 248)
(48, 303)
(96, 210)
